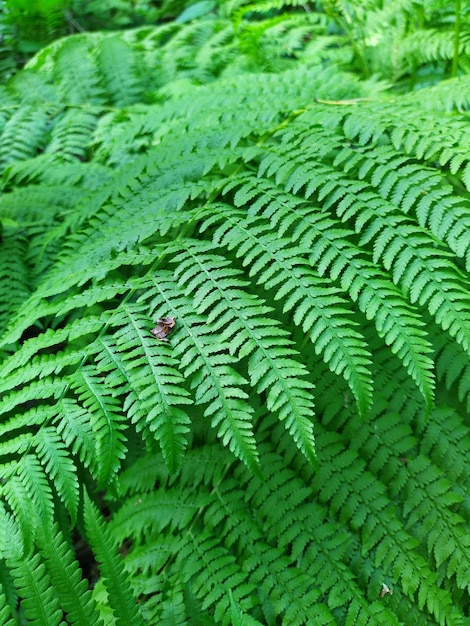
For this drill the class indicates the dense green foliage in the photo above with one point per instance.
(26, 26)
(296, 452)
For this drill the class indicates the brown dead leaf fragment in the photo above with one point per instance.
(163, 328)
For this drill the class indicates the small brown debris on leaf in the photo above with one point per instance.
(163, 328)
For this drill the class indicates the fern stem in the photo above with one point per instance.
(455, 57)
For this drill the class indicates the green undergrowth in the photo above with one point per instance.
(296, 451)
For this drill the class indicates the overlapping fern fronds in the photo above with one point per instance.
(284, 456)
(409, 43)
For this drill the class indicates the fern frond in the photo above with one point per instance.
(431, 44)
(425, 488)
(422, 279)
(413, 133)
(74, 597)
(45, 342)
(117, 62)
(71, 134)
(216, 383)
(137, 517)
(440, 440)
(333, 252)
(316, 306)
(54, 64)
(243, 324)
(147, 471)
(33, 477)
(13, 276)
(221, 574)
(23, 135)
(147, 372)
(395, 548)
(257, 515)
(73, 423)
(59, 466)
(423, 193)
(238, 618)
(445, 533)
(38, 600)
(108, 422)
(36, 595)
(448, 95)
(21, 504)
(120, 596)
(6, 616)
(30, 87)
(42, 366)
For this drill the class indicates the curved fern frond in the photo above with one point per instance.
(117, 63)
(383, 537)
(13, 276)
(453, 370)
(145, 370)
(40, 605)
(19, 501)
(23, 135)
(215, 382)
(107, 421)
(120, 596)
(316, 306)
(33, 477)
(73, 423)
(36, 595)
(6, 616)
(86, 85)
(71, 134)
(74, 597)
(332, 251)
(241, 319)
(59, 466)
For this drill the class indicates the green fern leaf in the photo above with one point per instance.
(216, 383)
(111, 568)
(108, 422)
(316, 306)
(378, 299)
(19, 500)
(23, 135)
(152, 382)
(13, 275)
(59, 466)
(36, 594)
(249, 332)
(54, 63)
(32, 475)
(40, 605)
(116, 60)
(73, 423)
(6, 617)
(137, 516)
(221, 574)
(312, 241)
(74, 597)
(71, 134)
